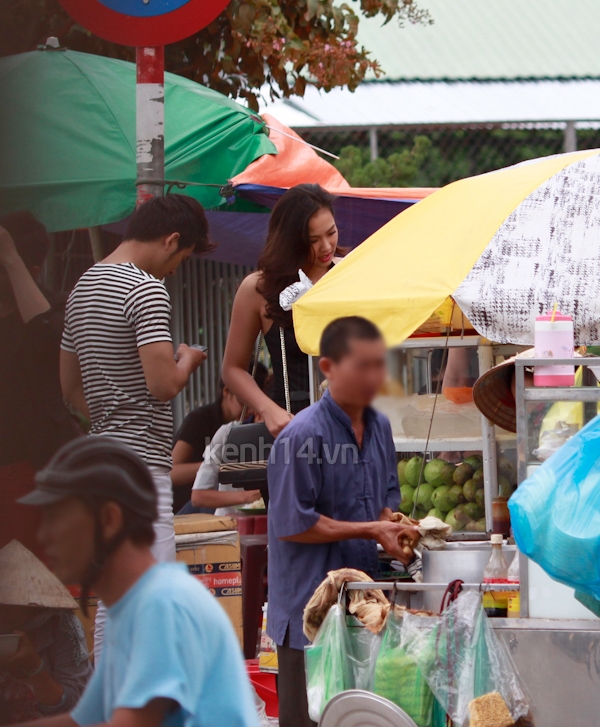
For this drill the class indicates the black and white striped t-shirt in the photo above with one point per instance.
(112, 311)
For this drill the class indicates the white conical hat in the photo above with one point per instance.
(25, 580)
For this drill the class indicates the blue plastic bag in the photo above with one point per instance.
(555, 513)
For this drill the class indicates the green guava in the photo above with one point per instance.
(470, 490)
(473, 511)
(412, 470)
(401, 476)
(407, 494)
(463, 473)
(441, 498)
(439, 472)
(456, 495)
(480, 498)
(423, 495)
(475, 460)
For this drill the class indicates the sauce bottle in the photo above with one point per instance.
(514, 597)
(495, 603)
(500, 516)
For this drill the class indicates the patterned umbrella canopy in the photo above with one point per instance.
(507, 246)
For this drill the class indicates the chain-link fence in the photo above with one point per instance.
(434, 156)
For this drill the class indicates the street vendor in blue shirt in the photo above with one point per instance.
(333, 485)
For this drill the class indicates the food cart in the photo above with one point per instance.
(555, 644)
(505, 246)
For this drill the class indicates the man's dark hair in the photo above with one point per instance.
(138, 529)
(30, 237)
(335, 339)
(161, 216)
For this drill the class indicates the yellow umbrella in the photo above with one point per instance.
(406, 270)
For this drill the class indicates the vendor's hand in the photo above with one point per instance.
(8, 251)
(389, 535)
(24, 661)
(249, 496)
(276, 419)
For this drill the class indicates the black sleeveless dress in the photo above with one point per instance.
(297, 366)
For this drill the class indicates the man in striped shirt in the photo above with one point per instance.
(117, 365)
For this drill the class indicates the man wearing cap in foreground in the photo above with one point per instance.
(170, 655)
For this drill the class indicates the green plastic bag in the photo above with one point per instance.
(364, 647)
(461, 657)
(399, 679)
(328, 662)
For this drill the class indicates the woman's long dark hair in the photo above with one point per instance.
(288, 247)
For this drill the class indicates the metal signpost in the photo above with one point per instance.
(148, 25)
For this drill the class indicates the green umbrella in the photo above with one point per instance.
(67, 138)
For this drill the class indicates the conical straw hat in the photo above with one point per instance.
(25, 581)
(492, 393)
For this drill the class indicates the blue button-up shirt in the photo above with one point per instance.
(317, 468)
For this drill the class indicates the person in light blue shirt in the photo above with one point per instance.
(333, 488)
(170, 655)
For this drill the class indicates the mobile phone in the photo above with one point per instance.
(197, 346)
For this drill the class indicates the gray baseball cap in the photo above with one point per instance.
(96, 467)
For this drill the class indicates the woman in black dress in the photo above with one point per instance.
(302, 236)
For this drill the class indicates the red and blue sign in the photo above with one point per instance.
(144, 22)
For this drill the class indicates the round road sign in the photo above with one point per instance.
(144, 22)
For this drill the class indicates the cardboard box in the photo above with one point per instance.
(210, 546)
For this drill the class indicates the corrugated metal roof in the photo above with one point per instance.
(490, 39)
(391, 104)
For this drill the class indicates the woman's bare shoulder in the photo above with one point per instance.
(249, 284)
(248, 290)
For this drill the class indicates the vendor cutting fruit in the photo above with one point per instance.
(333, 488)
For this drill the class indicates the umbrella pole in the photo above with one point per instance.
(150, 122)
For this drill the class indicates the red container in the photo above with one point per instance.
(245, 524)
(260, 524)
(265, 686)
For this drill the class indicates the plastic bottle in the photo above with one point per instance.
(495, 603)
(554, 339)
(514, 597)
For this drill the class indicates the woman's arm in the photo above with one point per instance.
(70, 662)
(245, 326)
(184, 470)
(28, 666)
(29, 298)
(216, 498)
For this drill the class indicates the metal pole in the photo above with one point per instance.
(488, 432)
(150, 121)
(570, 137)
(373, 143)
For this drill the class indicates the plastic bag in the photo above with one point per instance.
(364, 647)
(555, 513)
(461, 658)
(328, 664)
(399, 679)
(293, 292)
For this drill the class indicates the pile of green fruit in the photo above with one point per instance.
(452, 493)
